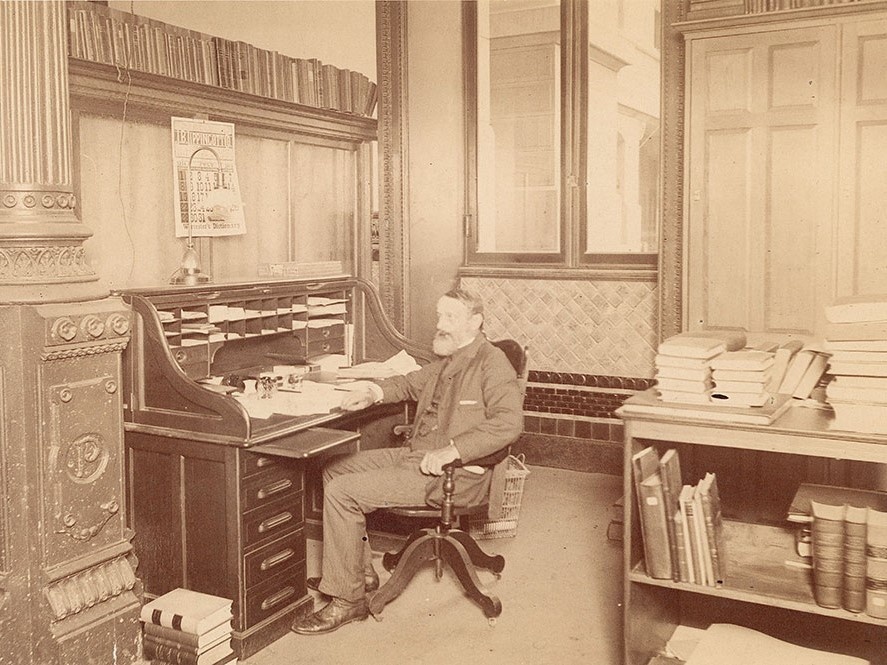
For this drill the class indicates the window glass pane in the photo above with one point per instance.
(623, 127)
(518, 137)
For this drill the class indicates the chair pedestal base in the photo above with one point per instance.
(454, 547)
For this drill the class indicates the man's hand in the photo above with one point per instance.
(433, 462)
(355, 400)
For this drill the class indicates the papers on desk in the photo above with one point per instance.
(400, 363)
(311, 399)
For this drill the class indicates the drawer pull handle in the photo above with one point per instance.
(325, 332)
(325, 347)
(264, 461)
(277, 598)
(274, 488)
(180, 356)
(274, 522)
(277, 559)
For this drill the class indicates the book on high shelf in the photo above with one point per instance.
(714, 526)
(152, 650)
(211, 636)
(187, 610)
(670, 474)
(655, 520)
(857, 308)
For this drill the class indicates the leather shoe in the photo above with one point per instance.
(336, 613)
(370, 582)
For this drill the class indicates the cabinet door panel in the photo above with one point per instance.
(759, 201)
(862, 253)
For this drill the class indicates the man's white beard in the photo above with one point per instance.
(444, 344)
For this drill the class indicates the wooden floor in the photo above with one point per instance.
(560, 590)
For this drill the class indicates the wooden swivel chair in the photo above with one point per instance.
(443, 543)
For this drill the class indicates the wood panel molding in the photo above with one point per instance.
(391, 48)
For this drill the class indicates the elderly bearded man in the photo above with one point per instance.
(468, 407)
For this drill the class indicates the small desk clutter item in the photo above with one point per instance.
(856, 337)
(681, 525)
(187, 628)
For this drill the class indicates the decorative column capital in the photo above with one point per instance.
(41, 240)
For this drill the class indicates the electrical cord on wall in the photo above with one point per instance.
(120, 79)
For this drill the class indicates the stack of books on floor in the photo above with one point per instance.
(187, 628)
(856, 337)
(683, 364)
(681, 525)
(848, 538)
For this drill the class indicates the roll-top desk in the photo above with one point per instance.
(211, 509)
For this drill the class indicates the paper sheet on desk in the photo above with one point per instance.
(400, 363)
(312, 399)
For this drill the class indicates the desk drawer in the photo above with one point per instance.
(317, 347)
(274, 558)
(275, 594)
(271, 484)
(251, 463)
(273, 520)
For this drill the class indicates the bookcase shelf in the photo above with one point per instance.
(760, 590)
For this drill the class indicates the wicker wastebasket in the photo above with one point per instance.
(506, 525)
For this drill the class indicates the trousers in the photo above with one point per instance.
(354, 485)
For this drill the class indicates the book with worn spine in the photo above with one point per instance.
(187, 610)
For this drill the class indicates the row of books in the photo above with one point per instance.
(848, 536)
(102, 34)
(856, 337)
(758, 6)
(681, 525)
(187, 627)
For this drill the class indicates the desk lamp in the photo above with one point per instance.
(189, 272)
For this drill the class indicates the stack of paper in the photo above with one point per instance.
(856, 338)
(683, 364)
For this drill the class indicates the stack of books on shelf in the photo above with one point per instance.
(848, 539)
(99, 33)
(683, 364)
(681, 525)
(742, 378)
(856, 338)
(803, 372)
(187, 628)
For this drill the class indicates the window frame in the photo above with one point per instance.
(574, 159)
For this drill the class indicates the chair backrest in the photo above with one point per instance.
(517, 356)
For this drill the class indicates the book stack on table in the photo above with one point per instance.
(742, 378)
(683, 364)
(187, 628)
(856, 337)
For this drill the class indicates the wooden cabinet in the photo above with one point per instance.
(218, 500)
(760, 591)
(784, 124)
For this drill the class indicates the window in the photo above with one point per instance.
(563, 132)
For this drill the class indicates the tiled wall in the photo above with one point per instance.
(591, 345)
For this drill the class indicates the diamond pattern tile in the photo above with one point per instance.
(589, 327)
